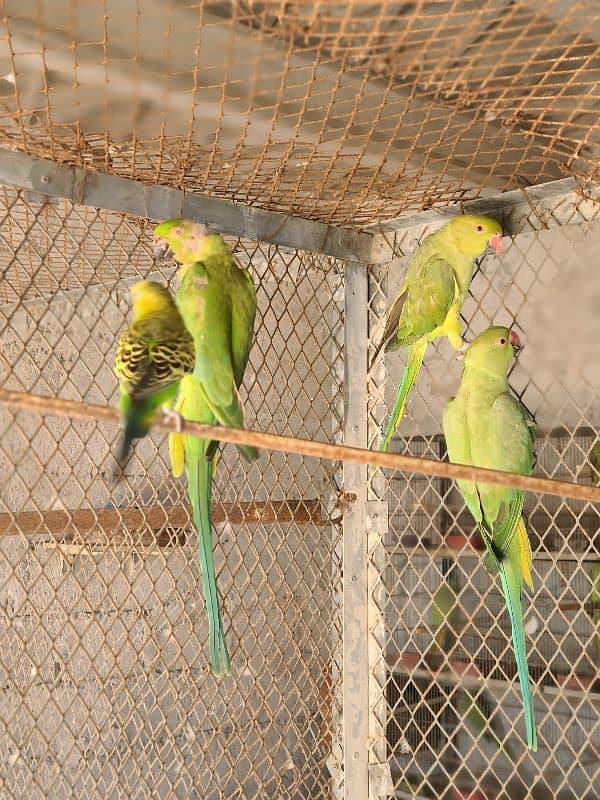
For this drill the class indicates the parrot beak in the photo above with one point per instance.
(516, 343)
(160, 250)
(495, 242)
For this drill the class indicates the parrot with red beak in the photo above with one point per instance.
(430, 300)
(486, 426)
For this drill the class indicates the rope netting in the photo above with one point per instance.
(342, 112)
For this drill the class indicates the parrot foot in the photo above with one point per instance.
(169, 413)
(461, 351)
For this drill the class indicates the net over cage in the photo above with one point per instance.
(363, 609)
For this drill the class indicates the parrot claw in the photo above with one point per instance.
(169, 413)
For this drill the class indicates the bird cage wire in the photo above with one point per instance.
(108, 690)
(426, 674)
(348, 114)
(343, 112)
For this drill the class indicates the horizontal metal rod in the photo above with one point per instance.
(469, 674)
(288, 444)
(124, 195)
(552, 191)
(156, 516)
(470, 553)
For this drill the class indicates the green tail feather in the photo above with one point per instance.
(138, 415)
(137, 418)
(511, 584)
(200, 473)
(411, 371)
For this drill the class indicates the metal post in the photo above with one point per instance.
(380, 778)
(355, 587)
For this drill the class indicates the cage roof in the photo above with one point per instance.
(350, 113)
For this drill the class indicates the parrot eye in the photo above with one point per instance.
(501, 340)
(177, 231)
(479, 229)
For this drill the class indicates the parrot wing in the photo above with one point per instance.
(509, 447)
(391, 326)
(242, 322)
(458, 444)
(430, 294)
(146, 363)
(210, 309)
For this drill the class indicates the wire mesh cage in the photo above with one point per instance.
(107, 689)
(447, 700)
(344, 133)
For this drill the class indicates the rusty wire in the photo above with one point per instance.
(342, 112)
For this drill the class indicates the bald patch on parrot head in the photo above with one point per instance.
(186, 240)
(472, 234)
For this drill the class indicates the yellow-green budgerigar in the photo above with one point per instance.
(486, 426)
(431, 297)
(217, 301)
(154, 353)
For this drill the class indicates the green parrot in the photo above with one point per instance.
(217, 301)
(431, 297)
(153, 354)
(486, 426)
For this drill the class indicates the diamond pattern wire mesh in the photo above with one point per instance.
(347, 112)
(103, 641)
(426, 673)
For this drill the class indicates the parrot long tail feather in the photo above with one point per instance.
(136, 427)
(510, 577)
(200, 473)
(411, 371)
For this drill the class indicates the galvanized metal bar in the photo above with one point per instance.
(380, 777)
(355, 581)
(552, 192)
(522, 211)
(138, 199)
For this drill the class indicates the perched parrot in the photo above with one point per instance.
(153, 354)
(217, 301)
(429, 303)
(486, 426)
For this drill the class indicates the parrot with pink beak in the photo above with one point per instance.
(431, 297)
(486, 426)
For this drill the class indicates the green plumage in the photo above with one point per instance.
(217, 301)
(486, 426)
(153, 354)
(431, 297)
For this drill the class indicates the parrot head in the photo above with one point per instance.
(185, 240)
(493, 350)
(473, 233)
(149, 297)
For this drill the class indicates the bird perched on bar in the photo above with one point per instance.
(430, 300)
(486, 426)
(217, 301)
(154, 353)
